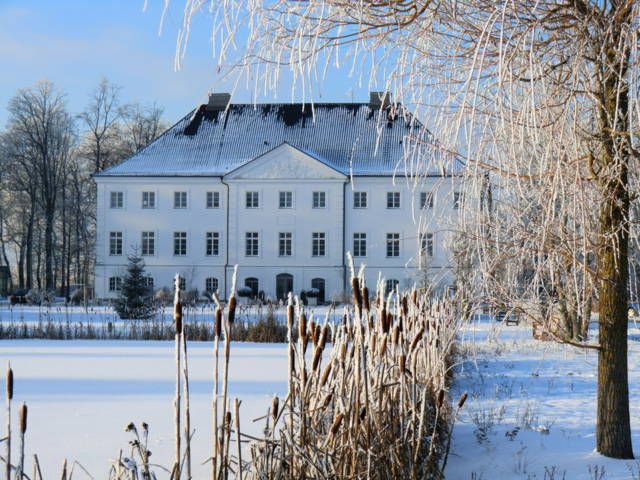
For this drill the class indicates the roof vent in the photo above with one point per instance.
(378, 100)
(218, 101)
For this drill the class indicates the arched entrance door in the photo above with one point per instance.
(319, 284)
(284, 285)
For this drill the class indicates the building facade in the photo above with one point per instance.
(284, 191)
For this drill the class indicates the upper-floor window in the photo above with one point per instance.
(426, 244)
(393, 199)
(458, 200)
(318, 245)
(115, 284)
(213, 199)
(148, 199)
(285, 199)
(116, 200)
(179, 199)
(252, 200)
(359, 244)
(148, 243)
(115, 243)
(213, 243)
(251, 246)
(319, 199)
(426, 200)
(284, 244)
(359, 199)
(148, 282)
(393, 244)
(179, 243)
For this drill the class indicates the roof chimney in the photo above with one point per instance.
(378, 100)
(218, 101)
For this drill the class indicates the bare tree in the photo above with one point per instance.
(142, 125)
(101, 117)
(538, 94)
(41, 125)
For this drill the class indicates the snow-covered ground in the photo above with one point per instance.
(531, 406)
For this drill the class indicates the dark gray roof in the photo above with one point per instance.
(350, 137)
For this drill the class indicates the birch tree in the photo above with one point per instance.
(539, 95)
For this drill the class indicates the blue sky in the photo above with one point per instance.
(75, 43)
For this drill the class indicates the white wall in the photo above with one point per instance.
(376, 220)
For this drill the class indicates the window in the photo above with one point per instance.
(182, 283)
(393, 199)
(251, 244)
(115, 243)
(359, 244)
(359, 199)
(179, 243)
(179, 199)
(213, 199)
(148, 243)
(426, 244)
(117, 200)
(213, 243)
(148, 199)
(211, 285)
(252, 200)
(390, 285)
(285, 200)
(458, 200)
(318, 244)
(115, 284)
(319, 199)
(284, 244)
(253, 284)
(393, 244)
(148, 282)
(426, 200)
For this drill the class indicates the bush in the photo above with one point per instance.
(244, 292)
(37, 296)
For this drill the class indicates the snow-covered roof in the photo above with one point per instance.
(352, 138)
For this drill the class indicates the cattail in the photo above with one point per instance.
(403, 362)
(416, 339)
(317, 356)
(324, 336)
(336, 423)
(316, 334)
(327, 400)
(325, 374)
(373, 342)
(396, 335)
(227, 418)
(302, 327)
(357, 295)
(343, 351)
(232, 309)
(415, 297)
(9, 383)
(312, 331)
(384, 320)
(218, 332)
(292, 359)
(383, 347)
(463, 399)
(365, 298)
(275, 404)
(440, 398)
(363, 413)
(405, 306)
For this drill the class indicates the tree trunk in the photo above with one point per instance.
(48, 251)
(613, 430)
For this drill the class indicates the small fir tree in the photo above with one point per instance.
(136, 296)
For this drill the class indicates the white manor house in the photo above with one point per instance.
(284, 191)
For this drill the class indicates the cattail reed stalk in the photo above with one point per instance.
(218, 334)
(463, 398)
(36, 468)
(236, 410)
(177, 317)
(187, 409)
(23, 431)
(9, 396)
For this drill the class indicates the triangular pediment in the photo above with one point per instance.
(285, 162)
